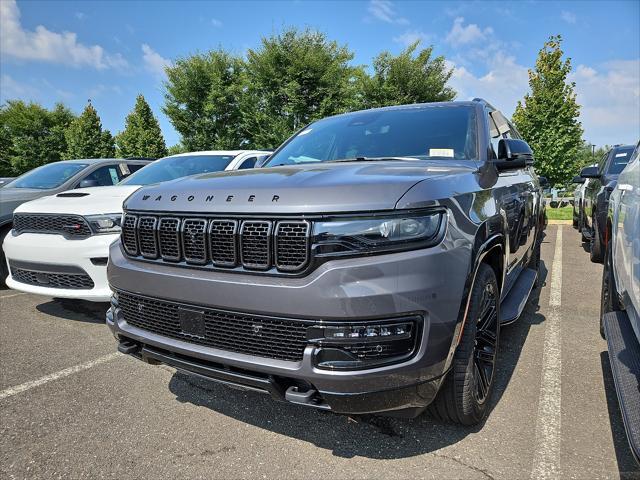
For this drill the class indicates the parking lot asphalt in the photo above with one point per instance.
(71, 408)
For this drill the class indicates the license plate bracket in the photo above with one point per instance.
(192, 322)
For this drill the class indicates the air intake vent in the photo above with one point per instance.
(129, 237)
(169, 239)
(222, 242)
(194, 240)
(147, 237)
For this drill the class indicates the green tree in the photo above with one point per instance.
(548, 116)
(407, 78)
(294, 78)
(31, 135)
(86, 139)
(141, 136)
(176, 149)
(202, 100)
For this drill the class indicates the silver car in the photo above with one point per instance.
(620, 311)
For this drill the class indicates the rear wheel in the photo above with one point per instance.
(465, 393)
(609, 301)
(595, 250)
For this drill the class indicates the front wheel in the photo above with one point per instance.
(4, 270)
(465, 394)
(609, 301)
(595, 248)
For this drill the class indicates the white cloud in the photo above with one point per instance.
(610, 99)
(464, 35)
(216, 23)
(385, 11)
(568, 17)
(504, 83)
(11, 88)
(153, 61)
(47, 46)
(411, 36)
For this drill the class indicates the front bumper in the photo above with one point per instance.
(430, 282)
(53, 253)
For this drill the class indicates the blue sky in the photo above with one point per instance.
(71, 51)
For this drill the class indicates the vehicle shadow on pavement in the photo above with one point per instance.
(368, 436)
(76, 310)
(627, 467)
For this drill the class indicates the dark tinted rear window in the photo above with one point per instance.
(620, 159)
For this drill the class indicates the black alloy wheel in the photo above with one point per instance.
(486, 343)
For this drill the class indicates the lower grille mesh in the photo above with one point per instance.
(74, 281)
(281, 339)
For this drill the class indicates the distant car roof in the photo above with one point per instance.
(219, 152)
(99, 160)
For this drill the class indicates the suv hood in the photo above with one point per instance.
(310, 188)
(82, 201)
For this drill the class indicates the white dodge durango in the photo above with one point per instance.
(59, 244)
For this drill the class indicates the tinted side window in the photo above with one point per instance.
(105, 175)
(248, 163)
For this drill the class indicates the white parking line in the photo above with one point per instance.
(546, 460)
(55, 376)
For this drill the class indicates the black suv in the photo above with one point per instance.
(596, 197)
(368, 268)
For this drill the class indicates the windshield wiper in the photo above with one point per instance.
(372, 159)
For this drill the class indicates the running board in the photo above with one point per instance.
(624, 357)
(513, 304)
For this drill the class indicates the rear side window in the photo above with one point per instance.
(620, 159)
(248, 163)
(105, 176)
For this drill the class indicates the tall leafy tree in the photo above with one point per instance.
(548, 116)
(202, 100)
(141, 136)
(413, 76)
(295, 77)
(31, 135)
(86, 138)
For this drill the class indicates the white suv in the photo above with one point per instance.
(59, 244)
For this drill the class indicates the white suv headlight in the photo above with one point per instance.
(107, 223)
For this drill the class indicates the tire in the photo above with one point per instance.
(4, 270)
(465, 393)
(609, 301)
(595, 248)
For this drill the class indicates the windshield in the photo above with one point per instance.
(170, 168)
(440, 132)
(47, 176)
(620, 159)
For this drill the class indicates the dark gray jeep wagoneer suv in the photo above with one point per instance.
(367, 269)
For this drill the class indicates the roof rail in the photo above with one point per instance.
(140, 158)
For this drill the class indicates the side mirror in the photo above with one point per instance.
(262, 161)
(578, 179)
(544, 183)
(513, 153)
(88, 182)
(590, 172)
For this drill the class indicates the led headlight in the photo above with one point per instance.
(362, 235)
(108, 223)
